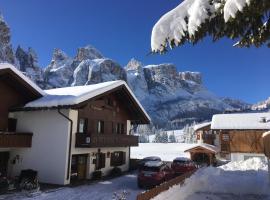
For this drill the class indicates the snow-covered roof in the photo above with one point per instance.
(153, 164)
(202, 125)
(184, 159)
(205, 146)
(241, 121)
(153, 158)
(4, 66)
(74, 95)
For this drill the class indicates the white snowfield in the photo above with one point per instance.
(173, 26)
(241, 121)
(245, 180)
(166, 151)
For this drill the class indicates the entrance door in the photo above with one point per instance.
(78, 166)
(4, 156)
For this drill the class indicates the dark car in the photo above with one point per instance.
(147, 159)
(182, 165)
(154, 173)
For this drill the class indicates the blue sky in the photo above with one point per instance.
(121, 30)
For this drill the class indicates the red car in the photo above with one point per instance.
(154, 173)
(182, 165)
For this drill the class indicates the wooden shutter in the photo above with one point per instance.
(123, 158)
(102, 160)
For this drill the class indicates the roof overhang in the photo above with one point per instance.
(15, 78)
(119, 87)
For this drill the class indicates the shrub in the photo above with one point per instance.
(97, 175)
(116, 171)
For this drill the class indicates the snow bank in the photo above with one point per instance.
(166, 151)
(235, 178)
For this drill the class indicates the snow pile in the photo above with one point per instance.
(173, 26)
(233, 179)
(166, 151)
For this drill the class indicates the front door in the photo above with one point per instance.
(4, 156)
(78, 167)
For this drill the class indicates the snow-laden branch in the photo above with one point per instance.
(185, 20)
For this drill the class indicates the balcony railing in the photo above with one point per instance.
(15, 140)
(105, 140)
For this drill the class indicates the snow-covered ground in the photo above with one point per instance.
(166, 151)
(103, 190)
(245, 180)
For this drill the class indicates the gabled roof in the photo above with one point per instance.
(71, 96)
(202, 125)
(8, 72)
(241, 121)
(205, 146)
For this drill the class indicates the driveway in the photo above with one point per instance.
(104, 190)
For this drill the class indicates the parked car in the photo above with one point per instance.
(154, 173)
(182, 165)
(147, 159)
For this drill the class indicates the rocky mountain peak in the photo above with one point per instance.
(58, 55)
(191, 76)
(87, 52)
(134, 64)
(6, 52)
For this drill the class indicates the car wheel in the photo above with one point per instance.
(139, 185)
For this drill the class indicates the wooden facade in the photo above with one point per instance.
(241, 141)
(104, 122)
(266, 143)
(206, 134)
(14, 92)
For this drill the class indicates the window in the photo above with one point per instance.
(100, 127)
(118, 158)
(83, 125)
(122, 129)
(117, 128)
(12, 124)
(109, 101)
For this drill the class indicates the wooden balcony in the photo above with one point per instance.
(15, 140)
(105, 140)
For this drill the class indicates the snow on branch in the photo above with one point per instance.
(185, 20)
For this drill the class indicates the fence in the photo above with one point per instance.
(164, 186)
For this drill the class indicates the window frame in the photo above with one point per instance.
(85, 125)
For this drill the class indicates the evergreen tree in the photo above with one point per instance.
(172, 138)
(247, 21)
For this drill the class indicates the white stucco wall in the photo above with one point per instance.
(244, 156)
(48, 154)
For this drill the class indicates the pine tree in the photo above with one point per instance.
(172, 138)
(247, 21)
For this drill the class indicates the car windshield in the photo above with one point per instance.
(180, 162)
(151, 169)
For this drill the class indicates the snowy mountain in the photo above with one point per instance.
(172, 98)
(262, 106)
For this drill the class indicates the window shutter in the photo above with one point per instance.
(103, 158)
(123, 158)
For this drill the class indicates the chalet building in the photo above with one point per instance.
(204, 134)
(71, 132)
(240, 135)
(15, 91)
